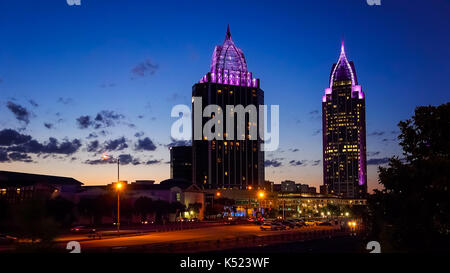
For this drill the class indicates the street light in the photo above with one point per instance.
(118, 187)
(260, 196)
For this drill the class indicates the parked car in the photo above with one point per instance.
(82, 229)
(310, 223)
(269, 226)
(288, 224)
(300, 223)
(325, 224)
(7, 240)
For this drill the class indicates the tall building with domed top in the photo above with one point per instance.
(344, 132)
(227, 162)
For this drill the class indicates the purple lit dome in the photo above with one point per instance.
(228, 57)
(343, 70)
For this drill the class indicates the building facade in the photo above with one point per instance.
(21, 187)
(228, 161)
(181, 162)
(344, 132)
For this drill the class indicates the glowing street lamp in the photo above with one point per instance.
(119, 187)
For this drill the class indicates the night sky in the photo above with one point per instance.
(80, 81)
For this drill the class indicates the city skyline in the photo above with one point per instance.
(120, 79)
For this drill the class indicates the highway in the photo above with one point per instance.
(189, 235)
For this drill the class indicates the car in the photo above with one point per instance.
(82, 229)
(269, 226)
(230, 221)
(325, 224)
(194, 220)
(7, 240)
(288, 224)
(300, 223)
(310, 223)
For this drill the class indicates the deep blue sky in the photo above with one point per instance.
(85, 56)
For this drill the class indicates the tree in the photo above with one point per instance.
(61, 210)
(195, 208)
(31, 221)
(144, 206)
(412, 211)
(96, 207)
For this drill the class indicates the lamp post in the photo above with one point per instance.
(260, 197)
(249, 188)
(118, 187)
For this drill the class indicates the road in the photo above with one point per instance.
(201, 234)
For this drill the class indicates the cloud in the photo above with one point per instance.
(377, 133)
(20, 112)
(33, 103)
(124, 159)
(176, 143)
(103, 119)
(65, 101)
(16, 142)
(92, 135)
(15, 156)
(315, 162)
(294, 150)
(316, 132)
(48, 125)
(3, 155)
(139, 134)
(107, 118)
(152, 162)
(297, 162)
(144, 68)
(372, 153)
(84, 122)
(378, 161)
(272, 163)
(304, 162)
(115, 144)
(93, 146)
(10, 137)
(52, 146)
(145, 144)
(314, 112)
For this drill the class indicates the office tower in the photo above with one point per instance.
(181, 162)
(344, 132)
(228, 163)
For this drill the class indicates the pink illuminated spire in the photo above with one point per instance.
(343, 69)
(228, 36)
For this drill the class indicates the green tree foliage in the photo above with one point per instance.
(412, 211)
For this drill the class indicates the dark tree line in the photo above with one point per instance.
(412, 212)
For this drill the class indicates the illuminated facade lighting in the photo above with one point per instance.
(228, 163)
(344, 132)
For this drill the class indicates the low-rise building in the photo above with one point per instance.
(17, 187)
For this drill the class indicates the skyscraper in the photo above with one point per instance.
(181, 162)
(344, 132)
(228, 163)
